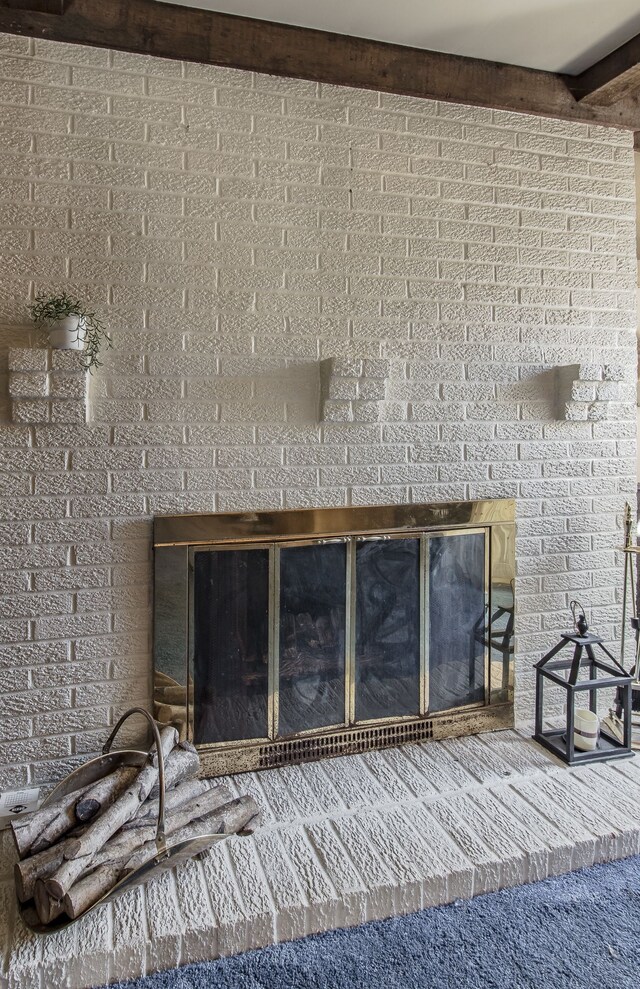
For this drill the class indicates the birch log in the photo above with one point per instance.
(173, 714)
(124, 843)
(104, 792)
(174, 798)
(182, 763)
(89, 890)
(38, 866)
(27, 829)
(162, 680)
(228, 819)
(168, 741)
(47, 907)
(45, 863)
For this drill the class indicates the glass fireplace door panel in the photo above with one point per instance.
(231, 644)
(387, 654)
(312, 628)
(456, 620)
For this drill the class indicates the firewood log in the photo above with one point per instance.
(104, 792)
(228, 819)
(45, 863)
(47, 907)
(58, 817)
(72, 874)
(38, 866)
(168, 741)
(43, 828)
(82, 850)
(90, 889)
(172, 714)
(124, 843)
(182, 763)
(174, 798)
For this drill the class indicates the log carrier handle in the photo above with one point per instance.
(161, 841)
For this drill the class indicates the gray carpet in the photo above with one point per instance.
(580, 931)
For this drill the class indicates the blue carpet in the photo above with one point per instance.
(580, 931)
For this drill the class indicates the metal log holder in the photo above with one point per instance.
(167, 855)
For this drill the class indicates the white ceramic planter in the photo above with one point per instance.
(67, 334)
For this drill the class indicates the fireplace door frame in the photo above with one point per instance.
(183, 536)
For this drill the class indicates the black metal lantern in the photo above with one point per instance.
(596, 742)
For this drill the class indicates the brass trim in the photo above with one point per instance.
(190, 675)
(229, 527)
(502, 607)
(424, 630)
(244, 758)
(273, 677)
(350, 636)
(391, 720)
(487, 605)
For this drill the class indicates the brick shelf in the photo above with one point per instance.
(47, 386)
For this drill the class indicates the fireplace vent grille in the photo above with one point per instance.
(343, 743)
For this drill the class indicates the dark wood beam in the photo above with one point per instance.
(42, 6)
(222, 39)
(611, 79)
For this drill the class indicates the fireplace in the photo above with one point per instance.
(288, 636)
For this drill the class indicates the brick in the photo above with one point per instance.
(31, 360)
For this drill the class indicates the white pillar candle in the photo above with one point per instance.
(586, 730)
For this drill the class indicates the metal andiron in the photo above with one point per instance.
(288, 636)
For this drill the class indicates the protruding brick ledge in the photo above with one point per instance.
(47, 386)
(357, 391)
(596, 392)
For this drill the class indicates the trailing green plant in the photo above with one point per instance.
(46, 310)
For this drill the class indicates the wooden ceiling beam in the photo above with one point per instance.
(185, 33)
(613, 78)
(41, 6)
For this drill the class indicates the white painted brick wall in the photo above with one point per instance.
(236, 230)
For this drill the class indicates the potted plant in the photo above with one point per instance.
(71, 326)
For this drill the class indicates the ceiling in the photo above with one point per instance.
(556, 35)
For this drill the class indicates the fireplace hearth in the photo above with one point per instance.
(289, 636)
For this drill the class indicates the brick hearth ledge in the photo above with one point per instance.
(344, 841)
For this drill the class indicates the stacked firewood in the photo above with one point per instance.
(74, 850)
